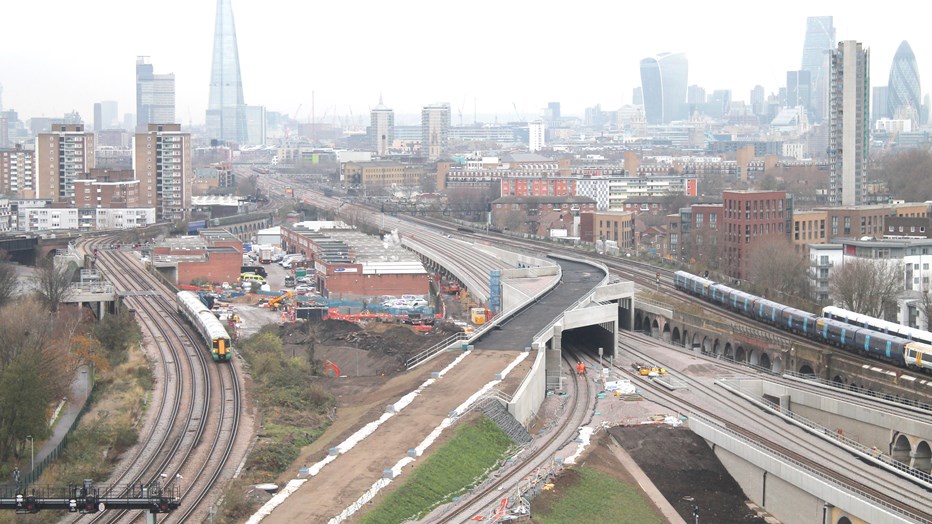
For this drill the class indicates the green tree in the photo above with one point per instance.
(116, 334)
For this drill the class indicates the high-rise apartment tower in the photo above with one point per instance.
(849, 129)
(63, 155)
(162, 163)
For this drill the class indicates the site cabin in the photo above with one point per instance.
(478, 315)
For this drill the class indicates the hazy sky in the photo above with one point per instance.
(483, 56)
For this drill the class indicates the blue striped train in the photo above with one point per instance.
(207, 325)
(866, 338)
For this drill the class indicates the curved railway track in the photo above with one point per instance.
(489, 493)
(190, 440)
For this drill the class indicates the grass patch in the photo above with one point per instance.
(593, 497)
(465, 460)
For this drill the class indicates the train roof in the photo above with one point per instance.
(215, 328)
(192, 301)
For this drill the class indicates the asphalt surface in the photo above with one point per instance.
(518, 332)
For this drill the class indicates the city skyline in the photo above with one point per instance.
(328, 50)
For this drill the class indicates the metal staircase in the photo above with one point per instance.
(494, 408)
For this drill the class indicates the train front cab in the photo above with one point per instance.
(918, 355)
(222, 350)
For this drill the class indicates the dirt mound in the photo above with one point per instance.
(385, 345)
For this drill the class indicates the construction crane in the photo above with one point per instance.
(518, 113)
(460, 110)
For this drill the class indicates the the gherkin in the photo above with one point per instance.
(226, 110)
(904, 94)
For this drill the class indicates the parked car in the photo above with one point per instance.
(303, 280)
(304, 289)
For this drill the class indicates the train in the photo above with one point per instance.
(877, 324)
(212, 331)
(887, 347)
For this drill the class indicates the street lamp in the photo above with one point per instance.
(32, 453)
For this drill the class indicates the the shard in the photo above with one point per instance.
(226, 110)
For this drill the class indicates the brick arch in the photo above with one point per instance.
(922, 457)
(902, 448)
(675, 336)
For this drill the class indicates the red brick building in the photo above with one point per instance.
(107, 188)
(751, 217)
(614, 226)
(354, 266)
(540, 216)
(214, 255)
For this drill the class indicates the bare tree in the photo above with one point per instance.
(53, 282)
(8, 283)
(774, 264)
(865, 285)
(925, 308)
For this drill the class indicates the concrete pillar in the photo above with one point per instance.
(784, 403)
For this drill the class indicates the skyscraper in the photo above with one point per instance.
(381, 128)
(663, 79)
(820, 40)
(879, 103)
(849, 132)
(799, 89)
(105, 115)
(536, 135)
(155, 95)
(226, 110)
(435, 129)
(903, 92)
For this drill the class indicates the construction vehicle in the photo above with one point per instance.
(277, 302)
(650, 371)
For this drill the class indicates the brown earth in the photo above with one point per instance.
(371, 360)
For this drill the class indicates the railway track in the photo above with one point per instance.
(191, 434)
(820, 457)
(488, 495)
